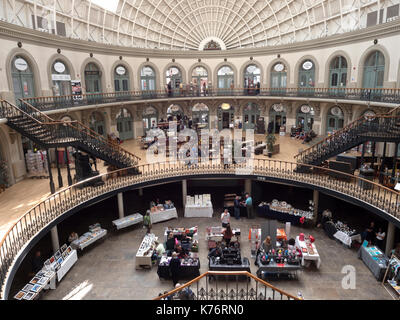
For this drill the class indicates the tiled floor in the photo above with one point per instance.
(107, 269)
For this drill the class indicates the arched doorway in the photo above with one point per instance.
(306, 77)
(200, 116)
(335, 120)
(125, 124)
(305, 117)
(252, 76)
(370, 116)
(92, 78)
(225, 78)
(150, 119)
(200, 80)
(23, 78)
(147, 81)
(374, 71)
(226, 116)
(278, 78)
(174, 77)
(338, 75)
(121, 79)
(174, 113)
(97, 123)
(251, 113)
(277, 118)
(60, 75)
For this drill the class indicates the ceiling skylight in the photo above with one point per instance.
(110, 5)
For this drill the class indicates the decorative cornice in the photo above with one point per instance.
(18, 33)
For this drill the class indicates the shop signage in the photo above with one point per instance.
(21, 64)
(336, 111)
(76, 90)
(61, 77)
(307, 65)
(305, 109)
(120, 70)
(277, 107)
(59, 67)
(279, 67)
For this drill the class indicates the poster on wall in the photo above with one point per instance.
(76, 90)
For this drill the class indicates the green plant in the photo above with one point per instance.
(270, 142)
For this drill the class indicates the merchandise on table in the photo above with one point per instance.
(214, 235)
(145, 251)
(128, 221)
(340, 226)
(95, 233)
(282, 206)
(198, 206)
(308, 250)
(375, 260)
(162, 214)
(178, 232)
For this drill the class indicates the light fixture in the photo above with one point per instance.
(225, 106)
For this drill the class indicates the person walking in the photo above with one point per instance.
(225, 218)
(147, 221)
(249, 206)
(236, 208)
(174, 267)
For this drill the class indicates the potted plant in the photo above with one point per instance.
(270, 144)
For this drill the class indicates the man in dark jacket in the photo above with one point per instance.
(174, 267)
(236, 207)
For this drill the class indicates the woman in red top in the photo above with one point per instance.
(228, 234)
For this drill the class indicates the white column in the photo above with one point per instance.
(184, 192)
(120, 205)
(390, 238)
(54, 238)
(247, 186)
(141, 192)
(316, 204)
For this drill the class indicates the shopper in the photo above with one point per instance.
(267, 245)
(215, 252)
(236, 207)
(227, 235)
(147, 221)
(225, 218)
(249, 206)
(160, 249)
(380, 237)
(174, 267)
(37, 262)
(369, 234)
(72, 237)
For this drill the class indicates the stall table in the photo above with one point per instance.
(67, 264)
(185, 272)
(277, 268)
(267, 212)
(177, 234)
(163, 215)
(244, 266)
(88, 238)
(214, 235)
(128, 221)
(347, 239)
(145, 252)
(375, 260)
(194, 211)
(307, 255)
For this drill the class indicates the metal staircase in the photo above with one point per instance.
(47, 133)
(378, 128)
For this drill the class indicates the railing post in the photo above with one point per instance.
(120, 197)
(60, 181)
(52, 187)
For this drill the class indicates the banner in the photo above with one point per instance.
(76, 90)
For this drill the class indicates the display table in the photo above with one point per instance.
(67, 264)
(215, 235)
(281, 234)
(267, 212)
(375, 260)
(188, 272)
(145, 251)
(346, 239)
(163, 215)
(277, 268)
(88, 238)
(178, 233)
(198, 206)
(128, 221)
(307, 255)
(213, 265)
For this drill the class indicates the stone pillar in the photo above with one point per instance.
(120, 197)
(316, 205)
(54, 239)
(184, 192)
(141, 192)
(390, 238)
(247, 186)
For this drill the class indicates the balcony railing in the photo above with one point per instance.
(43, 214)
(70, 101)
(216, 285)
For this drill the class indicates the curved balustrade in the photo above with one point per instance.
(378, 198)
(70, 101)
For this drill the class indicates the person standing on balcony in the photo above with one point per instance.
(249, 206)
(258, 86)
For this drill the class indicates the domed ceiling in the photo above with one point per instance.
(198, 24)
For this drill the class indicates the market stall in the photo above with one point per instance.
(199, 206)
(374, 259)
(214, 236)
(95, 233)
(308, 250)
(178, 232)
(345, 234)
(229, 259)
(277, 264)
(128, 221)
(189, 268)
(163, 212)
(282, 211)
(392, 275)
(145, 251)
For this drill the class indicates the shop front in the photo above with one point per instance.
(173, 77)
(335, 120)
(125, 124)
(60, 75)
(277, 118)
(251, 113)
(305, 117)
(226, 116)
(23, 78)
(306, 78)
(150, 119)
(97, 123)
(200, 116)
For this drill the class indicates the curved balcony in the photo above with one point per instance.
(379, 97)
(31, 227)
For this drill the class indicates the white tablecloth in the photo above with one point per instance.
(306, 255)
(128, 221)
(198, 212)
(77, 243)
(147, 243)
(345, 239)
(164, 215)
(67, 264)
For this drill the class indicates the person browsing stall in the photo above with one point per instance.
(225, 218)
(249, 206)
(227, 234)
(236, 207)
(174, 267)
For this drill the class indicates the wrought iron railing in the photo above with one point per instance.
(70, 101)
(40, 216)
(217, 285)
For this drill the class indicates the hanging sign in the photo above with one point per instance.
(21, 64)
(120, 70)
(76, 90)
(307, 65)
(60, 77)
(305, 108)
(336, 111)
(277, 107)
(279, 67)
(59, 67)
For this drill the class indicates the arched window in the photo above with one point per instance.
(200, 115)
(60, 75)
(252, 76)
(147, 79)
(174, 113)
(150, 119)
(306, 76)
(23, 79)
(124, 124)
(374, 70)
(96, 123)
(121, 79)
(277, 118)
(251, 113)
(225, 77)
(335, 120)
(226, 115)
(338, 72)
(305, 117)
(173, 77)
(200, 79)
(92, 78)
(278, 78)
